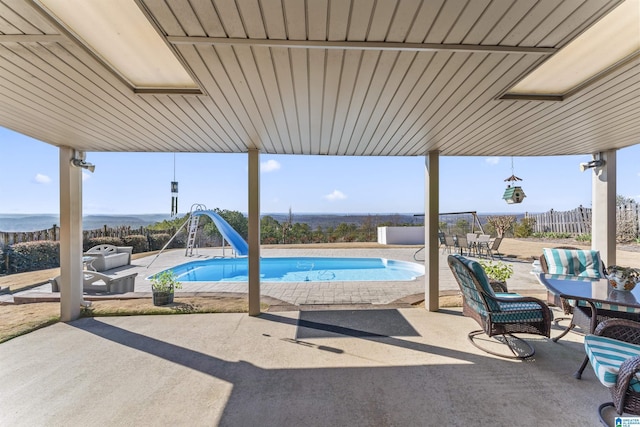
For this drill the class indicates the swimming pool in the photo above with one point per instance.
(299, 269)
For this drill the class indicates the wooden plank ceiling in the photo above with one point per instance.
(339, 77)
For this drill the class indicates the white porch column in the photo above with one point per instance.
(254, 232)
(603, 220)
(70, 237)
(431, 210)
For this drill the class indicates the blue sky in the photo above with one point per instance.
(138, 183)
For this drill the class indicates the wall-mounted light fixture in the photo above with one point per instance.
(592, 164)
(79, 161)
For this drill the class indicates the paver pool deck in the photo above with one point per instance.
(313, 293)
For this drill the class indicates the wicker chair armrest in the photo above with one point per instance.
(628, 369)
(620, 329)
(519, 299)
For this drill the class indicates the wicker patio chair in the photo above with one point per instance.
(614, 353)
(499, 314)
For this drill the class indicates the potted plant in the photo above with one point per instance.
(163, 286)
(622, 278)
(498, 273)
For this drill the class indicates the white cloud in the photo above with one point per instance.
(86, 175)
(492, 160)
(269, 166)
(42, 179)
(335, 195)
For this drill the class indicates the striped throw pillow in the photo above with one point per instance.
(584, 263)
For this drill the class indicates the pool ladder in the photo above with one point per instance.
(191, 236)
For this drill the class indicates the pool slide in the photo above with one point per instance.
(230, 235)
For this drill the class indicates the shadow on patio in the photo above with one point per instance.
(366, 367)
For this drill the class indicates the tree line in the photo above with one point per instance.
(287, 231)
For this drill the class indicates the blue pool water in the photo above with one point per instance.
(299, 269)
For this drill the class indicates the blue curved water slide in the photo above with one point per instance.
(230, 235)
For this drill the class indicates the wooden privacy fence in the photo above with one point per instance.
(53, 233)
(578, 221)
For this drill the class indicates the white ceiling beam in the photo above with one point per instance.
(313, 44)
(32, 38)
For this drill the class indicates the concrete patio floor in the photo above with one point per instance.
(384, 367)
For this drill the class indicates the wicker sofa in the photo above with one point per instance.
(106, 257)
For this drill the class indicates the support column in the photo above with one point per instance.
(431, 219)
(603, 219)
(70, 237)
(254, 232)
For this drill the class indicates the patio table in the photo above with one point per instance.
(596, 293)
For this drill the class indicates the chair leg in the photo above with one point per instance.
(579, 372)
(566, 331)
(511, 341)
(600, 408)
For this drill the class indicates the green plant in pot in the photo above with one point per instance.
(163, 286)
(498, 273)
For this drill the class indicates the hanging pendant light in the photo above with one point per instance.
(513, 193)
(174, 190)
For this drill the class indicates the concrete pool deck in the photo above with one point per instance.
(306, 293)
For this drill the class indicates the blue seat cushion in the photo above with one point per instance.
(606, 355)
(517, 312)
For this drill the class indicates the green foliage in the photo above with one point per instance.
(235, 219)
(552, 235)
(158, 240)
(524, 228)
(33, 256)
(95, 241)
(137, 241)
(165, 281)
(497, 270)
(583, 237)
(270, 230)
(169, 226)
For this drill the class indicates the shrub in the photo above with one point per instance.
(95, 241)
(137, 241)
(157, 241)
(583, 237)
(626, 231)
(33, 256)
(524, 228)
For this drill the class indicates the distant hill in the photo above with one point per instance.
(333, 220)
(33, 222)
